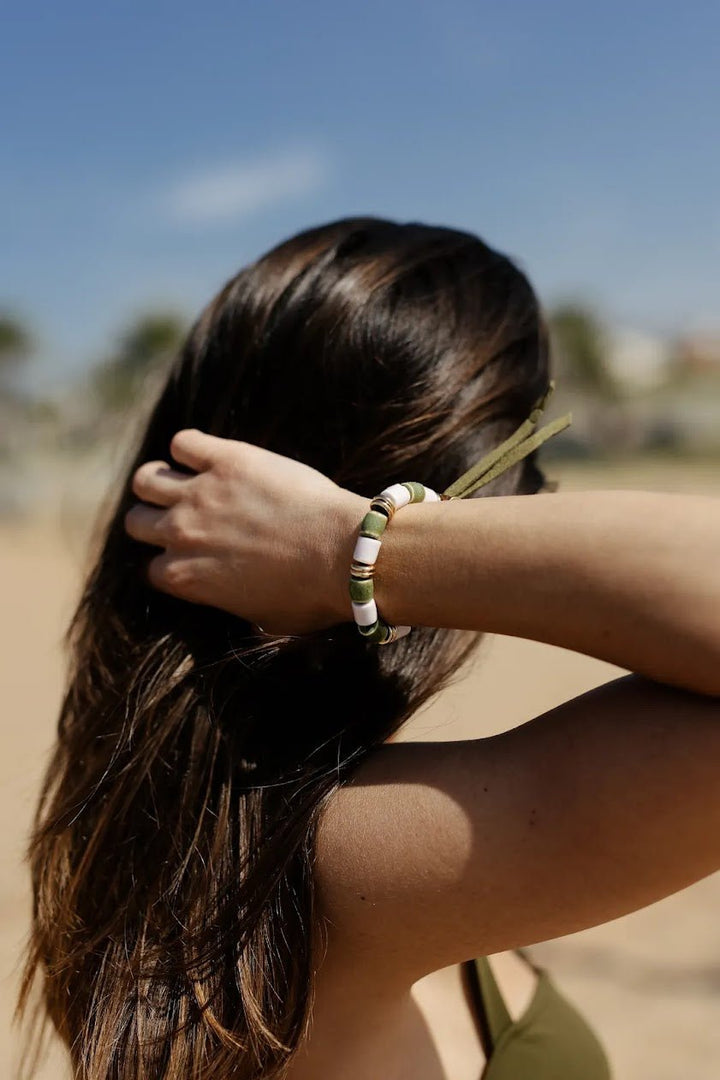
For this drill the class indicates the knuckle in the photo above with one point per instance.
(222, 472)
(183, 439)
(141, 478)
(194, 495)
(182, 529)
(231, 463)
(176, 531)
(176, 442)
(169, 574)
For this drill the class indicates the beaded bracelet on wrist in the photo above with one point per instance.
(382, 508)
(518, 445)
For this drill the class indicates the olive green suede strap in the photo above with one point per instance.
(521, 443)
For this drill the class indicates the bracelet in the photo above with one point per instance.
(522, 442)
(382, 509)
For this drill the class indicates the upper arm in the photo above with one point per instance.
(438, 852)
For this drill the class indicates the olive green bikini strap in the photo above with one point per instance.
(521, 443)
(496, 1011)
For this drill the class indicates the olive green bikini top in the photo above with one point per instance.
(550, 1041)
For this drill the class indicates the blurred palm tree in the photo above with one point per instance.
(580, 351)
(16, 344)
(145, 349)
(604, 422)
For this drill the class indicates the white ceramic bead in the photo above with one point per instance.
(365, 613)
(366, 550)
(397, 494)
(431, 496)
(402, 631)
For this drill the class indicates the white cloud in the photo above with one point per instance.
(233, 191)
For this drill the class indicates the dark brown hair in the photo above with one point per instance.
(172, 858)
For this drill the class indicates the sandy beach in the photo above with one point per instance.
(650, 982)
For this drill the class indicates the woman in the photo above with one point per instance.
(237, 873)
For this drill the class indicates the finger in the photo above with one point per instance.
(155, 482)
(147, 523)
(196, 449)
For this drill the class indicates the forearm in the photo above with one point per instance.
(630, 577)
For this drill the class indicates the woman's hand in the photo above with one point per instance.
(254, 533)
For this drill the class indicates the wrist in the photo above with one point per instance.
(342, 535)
(403, 563)
(405, 544)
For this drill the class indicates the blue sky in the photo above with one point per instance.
(149, 150)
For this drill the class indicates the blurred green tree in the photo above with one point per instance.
(146, 347)
(16, 344)
(580, 350)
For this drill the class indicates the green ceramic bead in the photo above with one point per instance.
(373, 524)
(360, 591)
(378, 633)
(417, 491)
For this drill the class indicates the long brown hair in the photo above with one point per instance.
(172, 857)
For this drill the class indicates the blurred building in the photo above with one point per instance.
(663, 395)
(698, 352)
(638, 361)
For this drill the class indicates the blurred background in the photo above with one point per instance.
(151, 150)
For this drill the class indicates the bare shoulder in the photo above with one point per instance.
(437, 852)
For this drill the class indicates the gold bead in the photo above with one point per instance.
(361, 570)
(381, 502)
